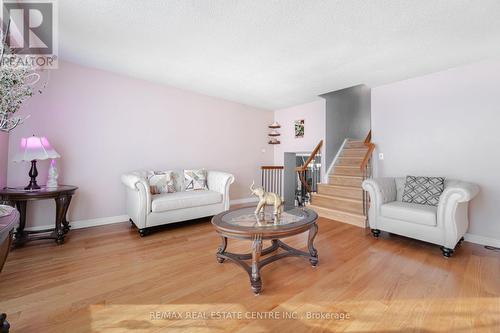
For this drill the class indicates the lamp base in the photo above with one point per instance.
(32, 186)
(33, 174)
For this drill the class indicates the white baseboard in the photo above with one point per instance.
(86, 223)
(243, 201)
(481, 240)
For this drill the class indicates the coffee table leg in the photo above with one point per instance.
(255, 281)
(312, 250)
(221, 249)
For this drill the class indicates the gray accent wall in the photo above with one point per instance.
(348, 115)
(289, 179)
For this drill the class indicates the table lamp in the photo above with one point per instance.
(34, 149)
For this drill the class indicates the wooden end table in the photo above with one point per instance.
(18, 197)
(242, 223)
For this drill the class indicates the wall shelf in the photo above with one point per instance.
(274, 134)
(274, 125)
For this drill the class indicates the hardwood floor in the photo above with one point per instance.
(108, 279)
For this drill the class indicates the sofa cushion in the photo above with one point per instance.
(423, 190)
(178, 200)
(410, 212)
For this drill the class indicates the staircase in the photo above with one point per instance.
(342, 199)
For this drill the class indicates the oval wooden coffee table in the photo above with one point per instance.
(242, 223)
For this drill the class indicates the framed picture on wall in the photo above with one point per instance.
(299, 128)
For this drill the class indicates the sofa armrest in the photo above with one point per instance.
(452, 212)
(220, 181)
(461, 191)
(131, 180)
(138, 196)
(381, 191)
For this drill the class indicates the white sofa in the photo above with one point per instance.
(444, 225)
(146, 210)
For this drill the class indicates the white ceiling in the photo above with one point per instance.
(274, 54)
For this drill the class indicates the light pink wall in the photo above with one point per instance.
(314, 128)
(4, 148)
(445, 124)
(105, 124)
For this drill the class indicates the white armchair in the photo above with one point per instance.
(146, 210)
(444, 225)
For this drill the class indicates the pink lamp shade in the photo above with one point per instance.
(35, 148)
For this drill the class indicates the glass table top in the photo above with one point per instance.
(42, 189)
(246, 218)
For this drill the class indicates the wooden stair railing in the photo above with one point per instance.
(272, 178)
(366, 168)
(369, 152)
(301, 170)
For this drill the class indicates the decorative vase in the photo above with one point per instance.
(53, 175)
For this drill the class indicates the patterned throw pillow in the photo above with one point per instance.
(161, 182)
(423, 190)
(195, 180)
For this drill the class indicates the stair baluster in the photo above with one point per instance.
(272, 179)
